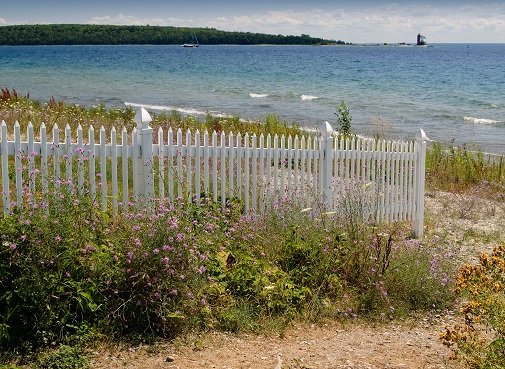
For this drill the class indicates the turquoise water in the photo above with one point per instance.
(454, 91)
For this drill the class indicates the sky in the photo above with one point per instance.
(356, 21)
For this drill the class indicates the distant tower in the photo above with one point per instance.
(421, 40)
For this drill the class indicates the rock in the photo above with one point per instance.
(169, 359)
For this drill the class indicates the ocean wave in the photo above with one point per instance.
(308, 97)
(255, 95)
(187, 111)
(483, 121)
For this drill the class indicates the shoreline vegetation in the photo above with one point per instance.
(85, 34)
(74, 277)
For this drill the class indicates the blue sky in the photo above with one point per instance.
(351, 20)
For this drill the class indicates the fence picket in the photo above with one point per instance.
(103, 169)
(31, 161)
(113, 146)
(254, 184)
(56, 158)
(215, 153)
(262, 192)
(124, 166)
(246, 172)
(170, 153)
(18, 166)
(68, 155)
(206, 155)
(239, 166)
(198, 164)
(179, 164)
(223, 169)
(161, 164)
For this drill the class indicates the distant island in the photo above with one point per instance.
(85, 34)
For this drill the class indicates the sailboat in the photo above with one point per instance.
(192, 44)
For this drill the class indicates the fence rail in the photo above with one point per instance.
(385, 177)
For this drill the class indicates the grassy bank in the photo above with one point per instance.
(71, 275)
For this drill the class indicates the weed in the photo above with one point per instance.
(65, 357)
(480, 340)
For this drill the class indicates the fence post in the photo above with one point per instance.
(4, 150)
(418, 226)
(327, 159)
(144, 167)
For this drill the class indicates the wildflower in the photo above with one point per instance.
(167, 248)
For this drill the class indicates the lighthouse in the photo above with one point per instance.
(421, 40)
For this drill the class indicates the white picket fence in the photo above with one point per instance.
(388, 176)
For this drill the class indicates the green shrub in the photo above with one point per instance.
(344, 119)
(65, 357)
(49, 285)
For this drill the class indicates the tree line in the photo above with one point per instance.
(84, 34)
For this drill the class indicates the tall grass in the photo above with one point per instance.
(22, 109)
(458, 169)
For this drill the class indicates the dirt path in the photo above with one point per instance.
(353, 346)
(467, 224)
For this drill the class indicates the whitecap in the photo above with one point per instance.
(186, 111)
(308, 97)
(481, 120)
(255, 95)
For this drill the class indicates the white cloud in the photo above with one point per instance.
(385, 23)
(388, 23)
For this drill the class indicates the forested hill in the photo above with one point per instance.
(84, 34)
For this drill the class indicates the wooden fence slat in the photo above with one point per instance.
(246, 172)
(18, 165)
(5, 169)
(197, 167)
(113, 145)
(68, 155)
(91, 162)
(31, 161)
(223, 169)
(161, 164)
(215, 154)
(124, 166)
(103, 168)
(56, 158)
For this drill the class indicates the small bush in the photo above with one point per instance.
(480, 340)
(344, 119)
(65, 357)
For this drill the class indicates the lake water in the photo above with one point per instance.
(452, 91)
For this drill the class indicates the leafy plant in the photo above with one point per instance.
(65, 357)
(344, 119)
(480, 340)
